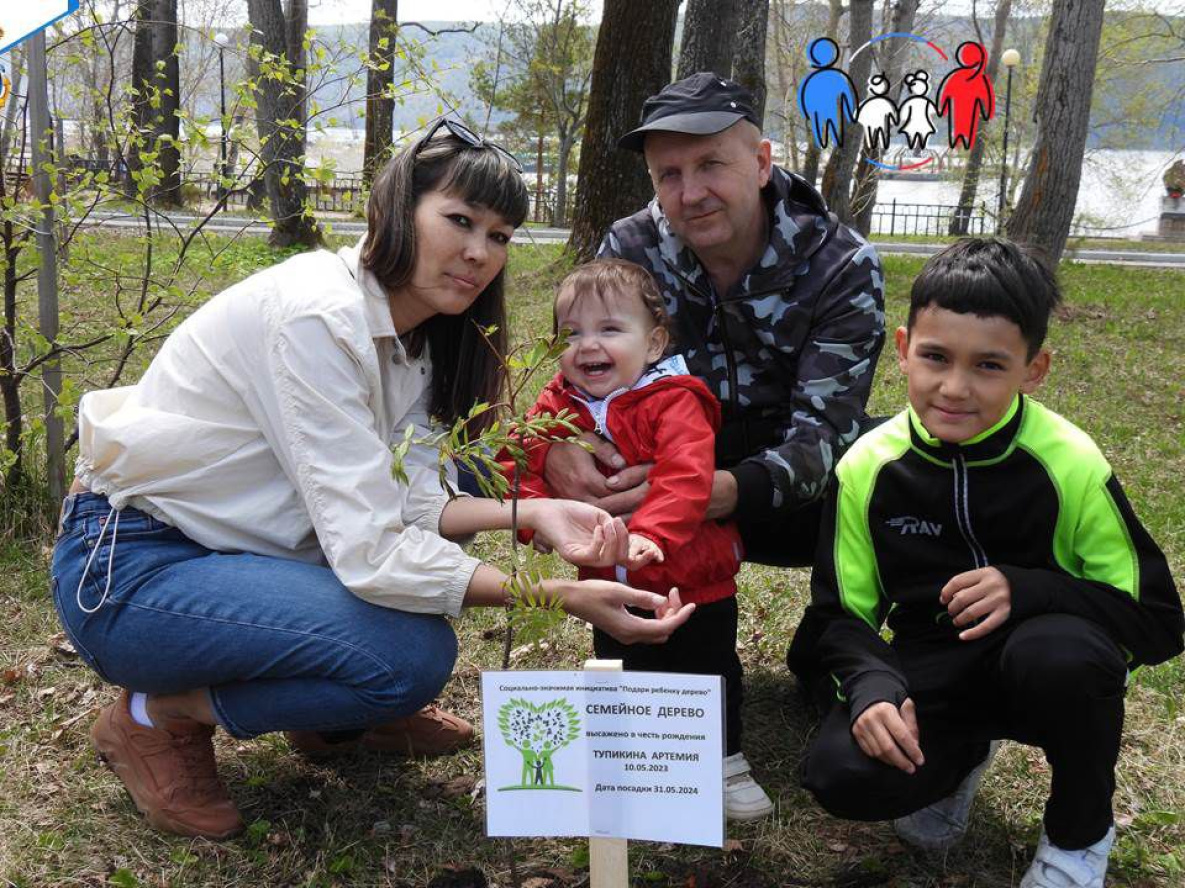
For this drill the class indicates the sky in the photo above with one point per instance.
(338, 11)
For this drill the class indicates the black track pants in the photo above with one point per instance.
(1055, 681)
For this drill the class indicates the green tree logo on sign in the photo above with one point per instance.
(538, 731)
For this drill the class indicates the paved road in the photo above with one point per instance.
(235, 225)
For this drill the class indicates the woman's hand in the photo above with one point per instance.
(604, 604)
(579, 533)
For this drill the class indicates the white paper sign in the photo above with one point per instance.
(19, 20)
(629, 755)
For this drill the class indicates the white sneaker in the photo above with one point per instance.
(1055, 867)
(938, 826)
(744, 799)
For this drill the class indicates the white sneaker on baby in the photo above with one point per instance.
(744, 799)
(1055, 867)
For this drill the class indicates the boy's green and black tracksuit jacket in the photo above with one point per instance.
(1032, 496)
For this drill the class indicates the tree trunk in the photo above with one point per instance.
(748, 59)
(560, 217)
(837, 177)
(810, 166)
(961, 220)
(894, 54)
(632, 62)
(281, 40)
(709, 29)
(380, 79)
(11, 109)
(156, 77)
(10, 380)
(1046, 205)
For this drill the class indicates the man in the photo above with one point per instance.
(775, 305)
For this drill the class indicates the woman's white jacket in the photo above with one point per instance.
(265, 425)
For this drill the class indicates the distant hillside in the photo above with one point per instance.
(448, 58)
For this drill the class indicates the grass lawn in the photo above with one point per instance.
(1119, 371)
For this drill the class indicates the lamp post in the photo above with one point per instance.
(1010, 58)
(222, 40)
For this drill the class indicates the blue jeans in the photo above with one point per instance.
(281, 645)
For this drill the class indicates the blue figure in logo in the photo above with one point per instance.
(827, 97)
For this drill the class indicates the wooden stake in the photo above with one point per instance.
(608, 859)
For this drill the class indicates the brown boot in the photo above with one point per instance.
(168, 771)
(431, 731)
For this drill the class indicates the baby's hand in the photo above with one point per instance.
(982, 595)
(643, 550)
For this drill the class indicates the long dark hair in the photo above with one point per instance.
(465, 369)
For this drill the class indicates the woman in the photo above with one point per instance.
(235, 551)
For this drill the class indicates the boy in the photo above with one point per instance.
(1018, 583)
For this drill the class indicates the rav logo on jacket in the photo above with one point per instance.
(908, 524)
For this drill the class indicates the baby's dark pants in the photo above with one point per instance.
(705, 645)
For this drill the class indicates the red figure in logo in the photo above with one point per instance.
(966, 95)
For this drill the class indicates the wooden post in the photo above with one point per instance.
(47, 279)
(608, 859)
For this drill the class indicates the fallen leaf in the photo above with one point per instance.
(458, 876)
(837, 847)
(46, 693)
(60, 644)
(733, 846)
(458, 786)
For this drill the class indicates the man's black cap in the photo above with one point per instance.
(701, 104)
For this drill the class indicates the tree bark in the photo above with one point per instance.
(280, 40)
(709, 29)
(894, 54)
(156, 77)
(1046, 205)
(567, 142)
(632, 62)
(837, 177)
(10, 110)
(748, 58)
(961, 220)
(380, 79)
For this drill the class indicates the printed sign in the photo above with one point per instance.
(628, 755)
(20, 20)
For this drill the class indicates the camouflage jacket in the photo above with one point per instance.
(790, 351)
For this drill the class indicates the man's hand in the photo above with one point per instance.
(643, 551)
(571, 472)
(890, 735)
(982, 594)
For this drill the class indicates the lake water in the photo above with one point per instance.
(1119, 195)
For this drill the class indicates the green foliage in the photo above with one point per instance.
(532, 614)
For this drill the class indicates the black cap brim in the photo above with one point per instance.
(699, 123)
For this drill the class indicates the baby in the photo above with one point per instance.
(618, 381)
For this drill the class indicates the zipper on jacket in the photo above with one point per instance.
(597, 416)
(963, 512)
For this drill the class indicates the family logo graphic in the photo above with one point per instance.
(828, 100)
(5, 85)
(538, 732)
(21, 20)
